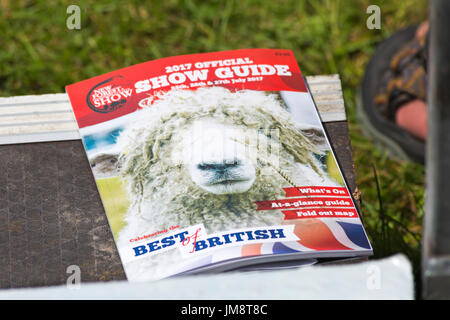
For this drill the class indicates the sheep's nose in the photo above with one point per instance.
(218, 166)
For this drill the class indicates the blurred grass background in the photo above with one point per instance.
(38, 54)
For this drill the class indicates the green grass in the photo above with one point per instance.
(38, 54)
(115, 201)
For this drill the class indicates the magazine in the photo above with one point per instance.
(214, 162)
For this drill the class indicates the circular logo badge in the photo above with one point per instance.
(109, 95)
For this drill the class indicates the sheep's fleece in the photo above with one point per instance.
(161, 191)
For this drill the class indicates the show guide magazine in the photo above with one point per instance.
(214, 162)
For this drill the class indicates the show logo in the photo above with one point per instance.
(109, 95)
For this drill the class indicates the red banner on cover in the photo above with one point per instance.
(319, 213)
(304, 202)
(123, 91)
(316, 191)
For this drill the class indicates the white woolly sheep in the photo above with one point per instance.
(206, 156)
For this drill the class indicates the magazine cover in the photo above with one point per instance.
(215, 161)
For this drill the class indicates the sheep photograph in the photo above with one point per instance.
(205, 156)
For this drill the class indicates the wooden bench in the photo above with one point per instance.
(51, 215)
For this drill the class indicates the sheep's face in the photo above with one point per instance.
(217, 159)
(212, 151)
